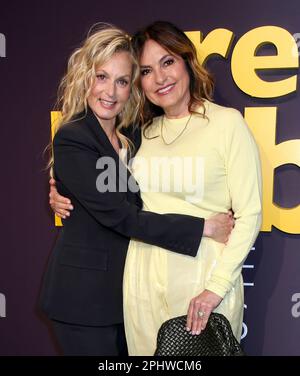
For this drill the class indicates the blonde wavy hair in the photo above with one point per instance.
(102, 42)
(177, 43)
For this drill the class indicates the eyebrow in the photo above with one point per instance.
(102, 70)
(126, 76)
(160, 60)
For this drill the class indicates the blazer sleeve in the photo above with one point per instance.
(75, 159)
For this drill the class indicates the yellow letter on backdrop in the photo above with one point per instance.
(262, 121)
(244, 62)
(217, 42)
(55, 117)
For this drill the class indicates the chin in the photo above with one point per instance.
(166, 104)
(107, 114)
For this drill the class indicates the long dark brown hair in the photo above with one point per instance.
(177, 43)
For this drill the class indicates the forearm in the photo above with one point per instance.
(230, 263)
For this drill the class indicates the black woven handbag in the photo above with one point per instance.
(216, 339)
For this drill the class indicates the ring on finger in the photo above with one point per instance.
(201, 314)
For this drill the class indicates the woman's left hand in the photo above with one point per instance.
(199, 310)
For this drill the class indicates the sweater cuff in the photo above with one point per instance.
(218, 285)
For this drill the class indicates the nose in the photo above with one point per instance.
(110, 89)
(160, 76)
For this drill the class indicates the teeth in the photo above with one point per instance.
(165, 89)
(107, 103)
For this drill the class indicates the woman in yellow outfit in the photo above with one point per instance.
(194, 141)
(197, 159)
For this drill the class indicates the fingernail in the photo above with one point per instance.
(68, 214)
(198, 332)
(188, 329)
(193, 332)
(71, 207)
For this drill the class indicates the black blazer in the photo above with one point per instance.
(83, 282)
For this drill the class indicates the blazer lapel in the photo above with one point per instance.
(98, 132)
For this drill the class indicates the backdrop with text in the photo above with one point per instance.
(252, 50)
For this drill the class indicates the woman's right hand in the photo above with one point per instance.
(59, 204)
(219, 227)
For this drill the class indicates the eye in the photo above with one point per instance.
(101, 76)
(122, 82)
(168, 62)
(145, 71)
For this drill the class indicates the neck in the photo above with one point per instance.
(178, 111)
(177, 114)
(108, 126)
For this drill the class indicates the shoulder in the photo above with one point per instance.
(76, 130)
(225, 119)
(221, 112)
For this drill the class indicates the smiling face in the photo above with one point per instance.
(111, 88)
(165, 79)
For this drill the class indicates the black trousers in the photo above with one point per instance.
(77, 340)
